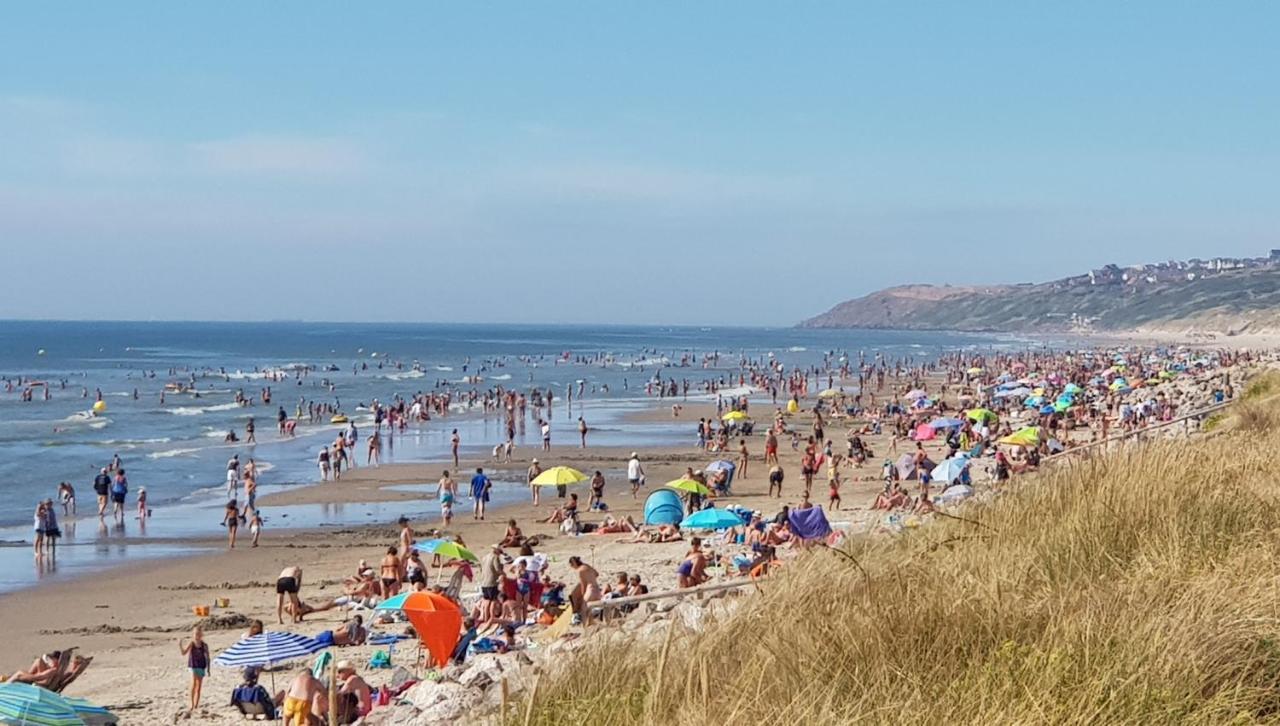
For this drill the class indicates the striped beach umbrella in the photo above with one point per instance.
(91, 714)
(22, 704)
(267, 649)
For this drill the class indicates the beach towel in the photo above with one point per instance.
(809, 523)
(556, 629)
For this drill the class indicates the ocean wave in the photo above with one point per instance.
(797, 349)
(503, 377)
(444, 368)
(198, 410)
(170, 453)
(405, 375)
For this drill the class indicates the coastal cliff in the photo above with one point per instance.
(1174, 297)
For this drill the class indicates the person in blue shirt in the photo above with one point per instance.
(480, 486)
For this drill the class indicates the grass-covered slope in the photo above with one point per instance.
(1226, 301)
(1140, 587)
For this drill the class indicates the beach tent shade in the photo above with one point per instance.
(956, 493)
(792, 406)
(809, 524)
(906, 465)
(663, 507)
(438, 623)
(558, 476)
(267, 649)
(924, 432)
(915, 394)
(23, 703)
(711, 519)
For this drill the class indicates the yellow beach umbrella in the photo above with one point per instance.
(734, 416)
(982, 414)
(974, 371)
(558, 476)
(1030, 436)
(689, 485)
(792, 406)
(831, 393)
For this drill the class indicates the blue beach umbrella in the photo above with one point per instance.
(950, 469)
(394, 603)
(712, 519)
(23, 703)
(946, 423)
(268, 648)
(91, 714)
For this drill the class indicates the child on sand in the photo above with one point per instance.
(197, 652)
(142, 503)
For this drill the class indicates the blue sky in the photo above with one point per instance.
(733, 162)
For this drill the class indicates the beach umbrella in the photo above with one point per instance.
(712, 519)
(719, 465)
(1048, 408)
(734, 416)
(1029, 436)
(831, 393)
(906, 465)
(974, 371)
(22, 704)
(1072, 388)
(1062, 405)
(689, 485)
(950, 469)
(92, 715)
(915, 394)
(558, 476)
(946, 423)
(982, 414)
(954, 494)
(268, 648)
(447, 549)
(438, 622)
(924, 432)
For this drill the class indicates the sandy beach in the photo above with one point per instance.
(130, 618)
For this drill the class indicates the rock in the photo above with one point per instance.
(441, 702)
(690, 614)
(482, 670)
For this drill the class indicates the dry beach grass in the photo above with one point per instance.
(1133, 587)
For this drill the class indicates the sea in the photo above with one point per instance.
(176, 448)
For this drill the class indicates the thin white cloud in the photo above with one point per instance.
(327, 157)
(640, 183)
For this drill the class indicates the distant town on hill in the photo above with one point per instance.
(1222, 295)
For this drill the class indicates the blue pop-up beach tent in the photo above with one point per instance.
(663, 507)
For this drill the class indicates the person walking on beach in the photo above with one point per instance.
(67, 494)
(231, 520)
(635, 474)
(534, 470)
(322, 461)
(289, 583)
(743, 458)
(102, 487)
(480, 486)
(233, 476)
(546, 435)
(119, 490)
(249, 429)
(582, 431)
(447, 491)
(197, 653)
(454, 440)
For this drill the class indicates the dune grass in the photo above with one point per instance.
(1136, 587)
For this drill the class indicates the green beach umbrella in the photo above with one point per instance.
(689, 485)
(558, 476)
(447, 549)
(982, 414)
(22, 704)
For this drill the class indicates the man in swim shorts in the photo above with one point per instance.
(297, 700)
(289, 583)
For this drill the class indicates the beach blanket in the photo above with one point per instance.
(809, 523)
